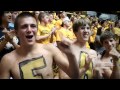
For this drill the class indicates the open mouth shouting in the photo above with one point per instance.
(29, 37)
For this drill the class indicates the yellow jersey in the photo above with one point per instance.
(117, 31)
(51, 26)
(67, 33)
(44, 30)
(92, 37)
(58, 23)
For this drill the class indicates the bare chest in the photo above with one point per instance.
(107, 59)
(37, 67)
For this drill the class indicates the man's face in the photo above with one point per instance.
(15, 14)
(27, 29)
(83, 33)
(51, 17)
(96, 23)
(46, 19)
(63, 14)
(109, 43)
(7, 16)
(37, 14)
(67, 23)
(105, 24)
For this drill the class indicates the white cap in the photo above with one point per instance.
(66, 19)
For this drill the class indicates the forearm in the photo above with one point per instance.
(66, 41)
(63, 75)
(39, 38)
(73, 67)
(116, 70)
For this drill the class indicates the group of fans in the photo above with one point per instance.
(66, 46)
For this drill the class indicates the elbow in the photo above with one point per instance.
(75, 75)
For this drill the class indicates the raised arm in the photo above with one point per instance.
(116, 64)
(39, 38)
(6, 39)
(65, 40)
(68, 65)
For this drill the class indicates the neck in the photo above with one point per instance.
(81, 44)
(27, 49)
(50, 21)
(107, 53)
(65, 27)
(42, 23)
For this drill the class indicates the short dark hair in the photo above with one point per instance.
(80, 22)
(22, 15)
(106, 35)
(2, 13)
(103, 21)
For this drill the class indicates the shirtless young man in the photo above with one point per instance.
(33, 60)
(87, 58)
(110, 55)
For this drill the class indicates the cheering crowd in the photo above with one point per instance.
(58, 45)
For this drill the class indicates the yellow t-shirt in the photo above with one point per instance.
(51, 26)
(66, 33)
(89, 73)
(69, 34)
(117, 31)
(92, 37)
(87, 45)
(106, 28)
(58, 23)
(99, 26)
(53, 21)
(43, 30)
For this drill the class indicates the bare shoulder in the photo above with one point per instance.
(50, 47)
(9, 58)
